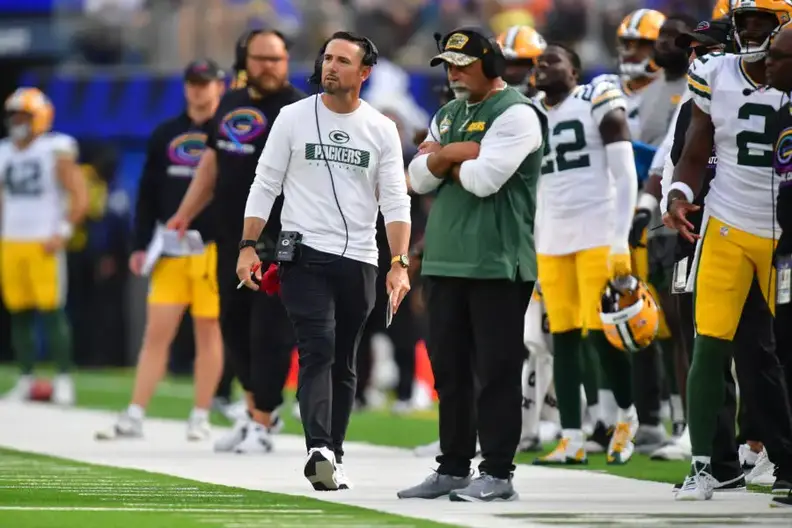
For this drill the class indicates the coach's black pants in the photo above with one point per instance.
(257, 334)
(477, 352)
(762, 380)
(328, 300)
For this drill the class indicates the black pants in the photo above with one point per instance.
(257, 334)
(477, 352)
(762, 379)
(783, 332)
(328, 300)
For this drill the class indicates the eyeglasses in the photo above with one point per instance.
(702, 50)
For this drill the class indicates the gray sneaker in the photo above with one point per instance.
(486, 488)
(436, 485)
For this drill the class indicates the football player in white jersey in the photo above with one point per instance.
(585, 203)
(636, 39)
(732, 111)
(43, 197)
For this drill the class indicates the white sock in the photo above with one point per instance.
(608, 406)
(701, 460)
(136, 412)
(595, 411)
(199, 414)
(574, 435)
(627, 415)
(677, 412)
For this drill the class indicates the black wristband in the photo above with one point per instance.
(247, 243)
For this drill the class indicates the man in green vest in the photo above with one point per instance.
(483, 160)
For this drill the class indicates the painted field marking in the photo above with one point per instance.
(160, 510)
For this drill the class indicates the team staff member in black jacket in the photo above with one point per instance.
(779, 76)
(177, 282)
(256, 330)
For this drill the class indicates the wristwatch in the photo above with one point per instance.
(403, 260)
(247, 243)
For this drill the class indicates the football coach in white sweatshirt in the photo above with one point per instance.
(337, 160)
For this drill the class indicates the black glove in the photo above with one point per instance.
(640, 223)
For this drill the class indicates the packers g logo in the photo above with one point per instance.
(456, 41)
(339, 136)
(444, 125)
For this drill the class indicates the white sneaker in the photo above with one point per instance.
(700, 486)
(342, 479)
(678, 449)
(125, 427)
(401, 408)
(277, 424)
(63, 390)
(762, 473)
(570, 450)
(257, 440)
(321, 470)
(747, 457)
(198, 429)
(622, 443)
(227, 442)
(21, 391)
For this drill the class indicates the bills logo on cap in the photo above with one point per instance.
(703, 26)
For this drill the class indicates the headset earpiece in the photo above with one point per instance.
(497, 65)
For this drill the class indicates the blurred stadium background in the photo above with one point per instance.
(113, 70)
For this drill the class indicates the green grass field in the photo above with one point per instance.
(38, 491)
(111, 389)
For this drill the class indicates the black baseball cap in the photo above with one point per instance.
(462, 47)
(203, 70)
(708, 32)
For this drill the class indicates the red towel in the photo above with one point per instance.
(270, 282)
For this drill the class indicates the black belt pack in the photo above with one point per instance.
(287, 249)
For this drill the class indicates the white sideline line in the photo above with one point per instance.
(377, 473)
(165, 510)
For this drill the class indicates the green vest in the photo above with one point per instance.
(483, 238)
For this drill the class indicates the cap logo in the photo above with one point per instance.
(456, 41)
(703, 26)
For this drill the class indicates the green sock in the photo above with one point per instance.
(23, 340)
(58, 332)
(667, 350)
(706, 391)
(616, 366)
(567, 348)
(591, 373)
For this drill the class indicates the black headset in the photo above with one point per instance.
(493, 64)
(370, 53)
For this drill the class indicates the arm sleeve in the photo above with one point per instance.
(622, 166)
(422, 180)
(512, 136)
(700, 77)
(605, 97)
(394, 202)
(146, 206)
(271, 168)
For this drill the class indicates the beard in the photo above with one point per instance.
(553, 87)
(461, 92)
(267, 83)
